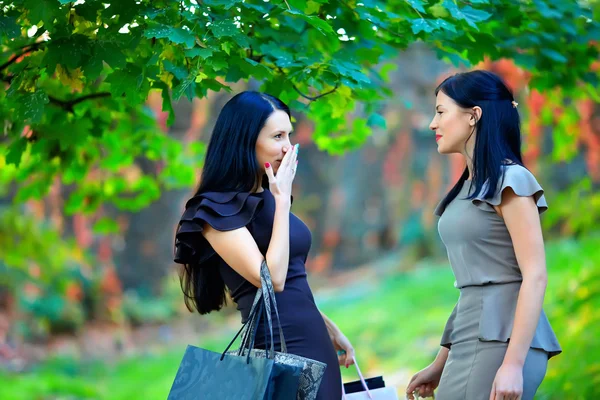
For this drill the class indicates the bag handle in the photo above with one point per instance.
(362, 380)
(266, 293)
(268, 284)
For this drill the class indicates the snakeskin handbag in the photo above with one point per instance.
(311, 370)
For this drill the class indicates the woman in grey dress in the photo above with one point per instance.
(497, 341)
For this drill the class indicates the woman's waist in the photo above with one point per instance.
(487, 312)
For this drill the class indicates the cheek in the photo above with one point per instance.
(266, 151)
(455, 127)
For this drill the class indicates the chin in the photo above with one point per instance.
(441, 150)
(445, 150)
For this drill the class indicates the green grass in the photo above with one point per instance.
(394, 321)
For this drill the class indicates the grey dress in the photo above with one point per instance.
(487, 274)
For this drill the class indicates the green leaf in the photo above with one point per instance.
(546, 10)
(168, 105)
(105, 226)
(42, 11)
(175, 35)
(67, 52)
(179, 72)
(198, 52)
(421, 25)
(377, 120)
(187, 87)
(226, 28)
(443, 24)
(9, 28)
(554, 55)
(15, 151)
(111, 53)
(417, 5)
(226, 4)
(226, 46)
(31, 106)
(127, 83)
(468, 14)
(322, 26)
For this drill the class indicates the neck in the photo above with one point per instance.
(468, 155)
(257, 188)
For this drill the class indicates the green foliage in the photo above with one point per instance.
(78, 74)
(575, 314)
(576, 210)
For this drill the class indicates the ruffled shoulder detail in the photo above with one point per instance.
(521, 181)
(224, 211)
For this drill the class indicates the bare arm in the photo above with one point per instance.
(521, 217)
(340, 342)
(441, 358)
(240, 251)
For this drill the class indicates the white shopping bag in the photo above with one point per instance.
(384, 393)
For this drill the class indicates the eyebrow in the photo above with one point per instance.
(438, 106)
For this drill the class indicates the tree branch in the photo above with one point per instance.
(307, 97)
(68, 105)
(313, 98)
(15, 57)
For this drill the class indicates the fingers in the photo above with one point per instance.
(294, 158)
(349, 357)
(426, 390)
(493, 393)
(269, 172)
(415, 381)
(286, 158)
(342, 358)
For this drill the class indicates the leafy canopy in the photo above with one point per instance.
(77, 74)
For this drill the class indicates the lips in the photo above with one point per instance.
(438, 137)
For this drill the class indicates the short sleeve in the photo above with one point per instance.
(521, 181)
(224, 211)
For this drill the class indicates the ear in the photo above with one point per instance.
(475, 116)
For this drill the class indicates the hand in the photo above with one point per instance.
(508, 384)
(425, 381)
(344, 349)
(280, 185)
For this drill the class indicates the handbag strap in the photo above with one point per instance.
(266, 293)
(271, 291)
(362, 380)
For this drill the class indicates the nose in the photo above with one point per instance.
(287, 145)
(433, 125)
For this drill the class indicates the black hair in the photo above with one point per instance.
(230, 164)
(498, 139)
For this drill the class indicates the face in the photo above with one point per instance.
(453, 125)
(273, 141)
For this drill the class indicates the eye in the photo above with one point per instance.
(278, 136)
(439, 112)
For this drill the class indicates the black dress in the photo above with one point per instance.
(303, 327)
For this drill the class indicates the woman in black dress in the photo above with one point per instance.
(240, 216)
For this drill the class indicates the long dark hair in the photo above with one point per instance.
(230, 165)
(498, 139)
